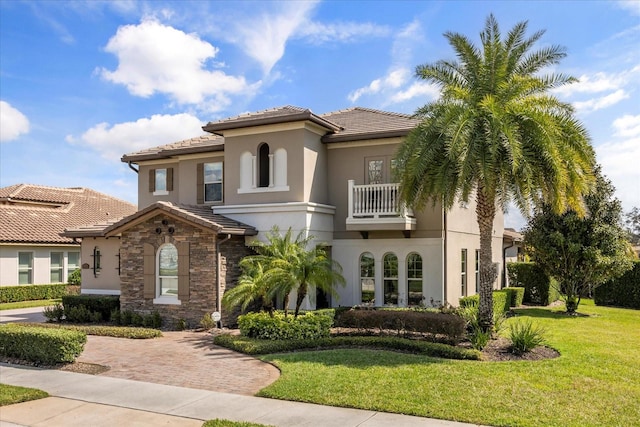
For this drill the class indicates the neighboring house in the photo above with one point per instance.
(32, 251)
(513, 251)
(203, 199)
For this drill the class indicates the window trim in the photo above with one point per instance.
(372, 277)
(463, 273)
(60, 269)
(205, 183)
(165, 299)
(386, 278)
(415, 279)
(168, 184)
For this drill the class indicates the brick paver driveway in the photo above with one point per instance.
(185, 359)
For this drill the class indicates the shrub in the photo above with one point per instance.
(32, 292)
(41, 345)
(501, 302)
(525, 336)
(538, 287)
(207, 322)
(247, 345)
(437, 326)
(621, 292)
(102, 304)
(477, 336)
(179, 325)
(278, 327)
(515, 295)
(75, 278)
(102, 330)
(54, 312)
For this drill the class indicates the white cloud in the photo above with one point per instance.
(12, 122)
(417, 89)
(114, 141)
(627, 126)
(619, 160)
(602, 102)
(154, 58)
(598, 82)
(341, 32)
(632, 6)
(393, 80)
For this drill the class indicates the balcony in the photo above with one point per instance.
(376, 207)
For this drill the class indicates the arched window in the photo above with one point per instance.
(390, 279)
(167, 273)
(414, 279)
(367, 278)
(264, 172)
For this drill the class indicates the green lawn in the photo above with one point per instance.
(596, 381)
(29, 304)
(10, 394)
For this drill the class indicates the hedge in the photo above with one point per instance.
(539, 288)
(621, 292)
(32, 292)
(437, 326)
(76, 306)
(515, 295)
(41, 345)
(104, 331)
(254, 346)
(278, 327)
(501, 302)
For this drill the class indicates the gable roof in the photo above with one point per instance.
(352, 124)
(199, 216)
(36, 214)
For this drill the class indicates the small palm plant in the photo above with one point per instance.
(525, 336)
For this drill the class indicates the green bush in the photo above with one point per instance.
(75, 278)
(255, 346)
(102, 330)
(621, 292)
(501, 302)
(515, 295)
(436, 326)
(32, 292)
(41, 345)
(538, 287)
(278, 327)
(54, 312)
(101, 304)
(525, 336)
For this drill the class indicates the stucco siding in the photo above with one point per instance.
(41, 270)
(106, 281)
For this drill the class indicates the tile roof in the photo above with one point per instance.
(199, 144)
(352, 124)
(36, 214)
(202, 216)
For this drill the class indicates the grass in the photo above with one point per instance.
(29, 304)
(10, 394)
(594, 382)
(226, 423)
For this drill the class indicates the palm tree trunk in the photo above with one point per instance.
(302, 293)
(486, 212)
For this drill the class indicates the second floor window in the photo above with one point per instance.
(264, 166)
(160, 181)
(213, 182)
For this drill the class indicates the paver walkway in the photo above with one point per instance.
(183, 359)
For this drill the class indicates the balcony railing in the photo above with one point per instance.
(377, 206)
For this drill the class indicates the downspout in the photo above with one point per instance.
(132, 168)
(444, 258)
(218, 271)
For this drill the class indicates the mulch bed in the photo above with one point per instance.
(77, 367)
(498, 350)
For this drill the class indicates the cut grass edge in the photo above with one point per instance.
(11, 394)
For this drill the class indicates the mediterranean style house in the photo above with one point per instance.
(32, 251)
(202, 200)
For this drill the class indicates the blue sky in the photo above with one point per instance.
(83, 82)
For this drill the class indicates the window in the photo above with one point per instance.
(161, 181)
(376, 171)
(56, 262)
(367, 278)
(167, 271)
(463, 272)
(477, 269)
(73, 262)
(213, 182)
(390, 279)
(380, 169)
(25, 268)
(414, 279)
(264, 166)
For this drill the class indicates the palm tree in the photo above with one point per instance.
(496, 133)
(252, 287)
(286, 265)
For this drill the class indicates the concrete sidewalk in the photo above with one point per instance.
(80, 400)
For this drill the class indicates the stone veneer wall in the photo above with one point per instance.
(202, 268)
(232, 251)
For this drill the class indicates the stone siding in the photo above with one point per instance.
(202, 268)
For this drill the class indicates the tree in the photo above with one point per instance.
(283, 265)
(632, 221)
(581, 253)
(496, 134)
